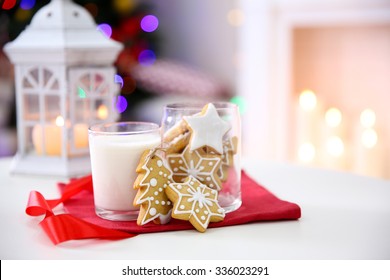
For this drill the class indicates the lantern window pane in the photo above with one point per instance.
(52, 107)
(29, 131)
(92, 85)
(79, 138)
(55, 85)
(82, 110)
(27, 83)
(47, 75)
(34, 75)
(103, 90)
(31, 107)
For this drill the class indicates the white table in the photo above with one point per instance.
(343, 217)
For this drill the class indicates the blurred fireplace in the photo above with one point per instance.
(341, 52)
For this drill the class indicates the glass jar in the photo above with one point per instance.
(203, 140)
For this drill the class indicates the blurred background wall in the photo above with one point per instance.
(271, 57)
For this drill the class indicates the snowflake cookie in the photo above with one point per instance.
(207, 129)
(151, 182)
(195, 202)
(198, 164)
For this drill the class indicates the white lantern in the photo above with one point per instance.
(64, 79)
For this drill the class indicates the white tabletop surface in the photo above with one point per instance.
(343, 217)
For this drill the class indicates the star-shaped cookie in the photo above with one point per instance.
(207, 129)
(199, 164)
(151, 182)
(195, 202)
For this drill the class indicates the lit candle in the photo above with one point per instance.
(368, 149)
(52, 144)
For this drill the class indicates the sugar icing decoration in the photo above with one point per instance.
(195, 202)
(198, 164)
(207, 129)
(153, 178)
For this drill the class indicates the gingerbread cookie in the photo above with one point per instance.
(199, 164)
(207, 129)
(151, 182)
(229, 150)
(178, 129)
(195, 202)
(178, 144)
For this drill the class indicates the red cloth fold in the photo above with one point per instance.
(258, 204)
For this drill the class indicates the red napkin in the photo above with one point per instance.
(258, 204)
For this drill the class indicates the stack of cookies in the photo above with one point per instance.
(183, 179)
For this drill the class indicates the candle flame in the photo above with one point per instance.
(102, 112)
(60, 121)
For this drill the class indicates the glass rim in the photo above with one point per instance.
(99, 128)
(220, 105)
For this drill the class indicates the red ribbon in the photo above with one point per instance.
(65, 227)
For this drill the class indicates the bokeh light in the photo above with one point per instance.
(146, 57)
(333, 117)
(27, 4)
(306, 152)
(129, 85)
(22, 15)
(81, 92)
(307, 100)
(235, 17)
(335, 146)
(120, 104)
(8, 4)
(124, 6)
(92, 8)
(102, 112)
(105, 29)
(240, 102)
(369, 138)
(118, 79)
(149, 23)
(368, 118)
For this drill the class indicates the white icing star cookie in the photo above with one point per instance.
(195, 202)
(151, 182)
(207, 129)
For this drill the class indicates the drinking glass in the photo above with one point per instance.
(115, 150)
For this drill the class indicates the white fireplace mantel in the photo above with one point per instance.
(265, 77)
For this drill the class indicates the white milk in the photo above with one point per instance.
(114, 160)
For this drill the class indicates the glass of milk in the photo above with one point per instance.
(115, 150)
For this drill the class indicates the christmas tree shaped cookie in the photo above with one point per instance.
(152, 180)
